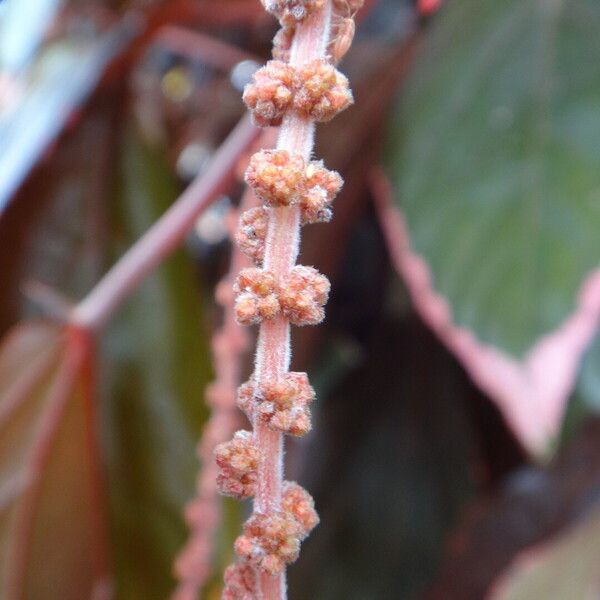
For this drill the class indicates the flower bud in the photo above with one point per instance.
(271, 93)
(252, 233)
(321, 187)
(299, 503)
(270, 542)
(238, 462)
(240, 583)
(257, 296)
(303, 295)
(275, 176)
(323, 91)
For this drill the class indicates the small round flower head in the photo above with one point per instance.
(282, 43)
(270, 542)
(276, 176)
(240, 582)
(237, 461)
(245, 397)
(347, 8)
(303, 295)
(321, 187)
(284, 404)
(299, 503)
(252, 232)
(271, 92)
(290, 12)
(257, 297)
(323, 91)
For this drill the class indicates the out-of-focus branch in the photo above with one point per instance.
(166, 234)
(199, 46)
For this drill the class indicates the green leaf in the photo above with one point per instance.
(494, 155)
(565, 569)
(157, 364)
(50, 527)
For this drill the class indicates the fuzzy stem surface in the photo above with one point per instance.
(282, 245)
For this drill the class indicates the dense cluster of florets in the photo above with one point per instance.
(271, 93)
(321, 186)
(252, 233)
(316, 90)
(303, 295)
(257, 296)
(237, 461)
(299, 503)
(240, 582)
(276, 176)
(300, 296)
(322, 91)
(283, 405)
(270, 542)
(283, 179)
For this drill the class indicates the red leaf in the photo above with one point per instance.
(531, 393)
(51, 537)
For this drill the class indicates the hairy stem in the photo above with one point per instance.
(273, 351)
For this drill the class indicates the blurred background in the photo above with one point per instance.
(455, 453)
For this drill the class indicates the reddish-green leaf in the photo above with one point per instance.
(51, 530)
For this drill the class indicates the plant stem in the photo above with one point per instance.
(273, 352)
(166, 234)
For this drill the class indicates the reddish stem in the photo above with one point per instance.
(273, 352)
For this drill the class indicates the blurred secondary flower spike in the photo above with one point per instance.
(297, 89)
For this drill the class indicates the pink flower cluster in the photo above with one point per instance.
(300, 296)
(283, 405)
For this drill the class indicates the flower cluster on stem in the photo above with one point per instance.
(297, 89)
